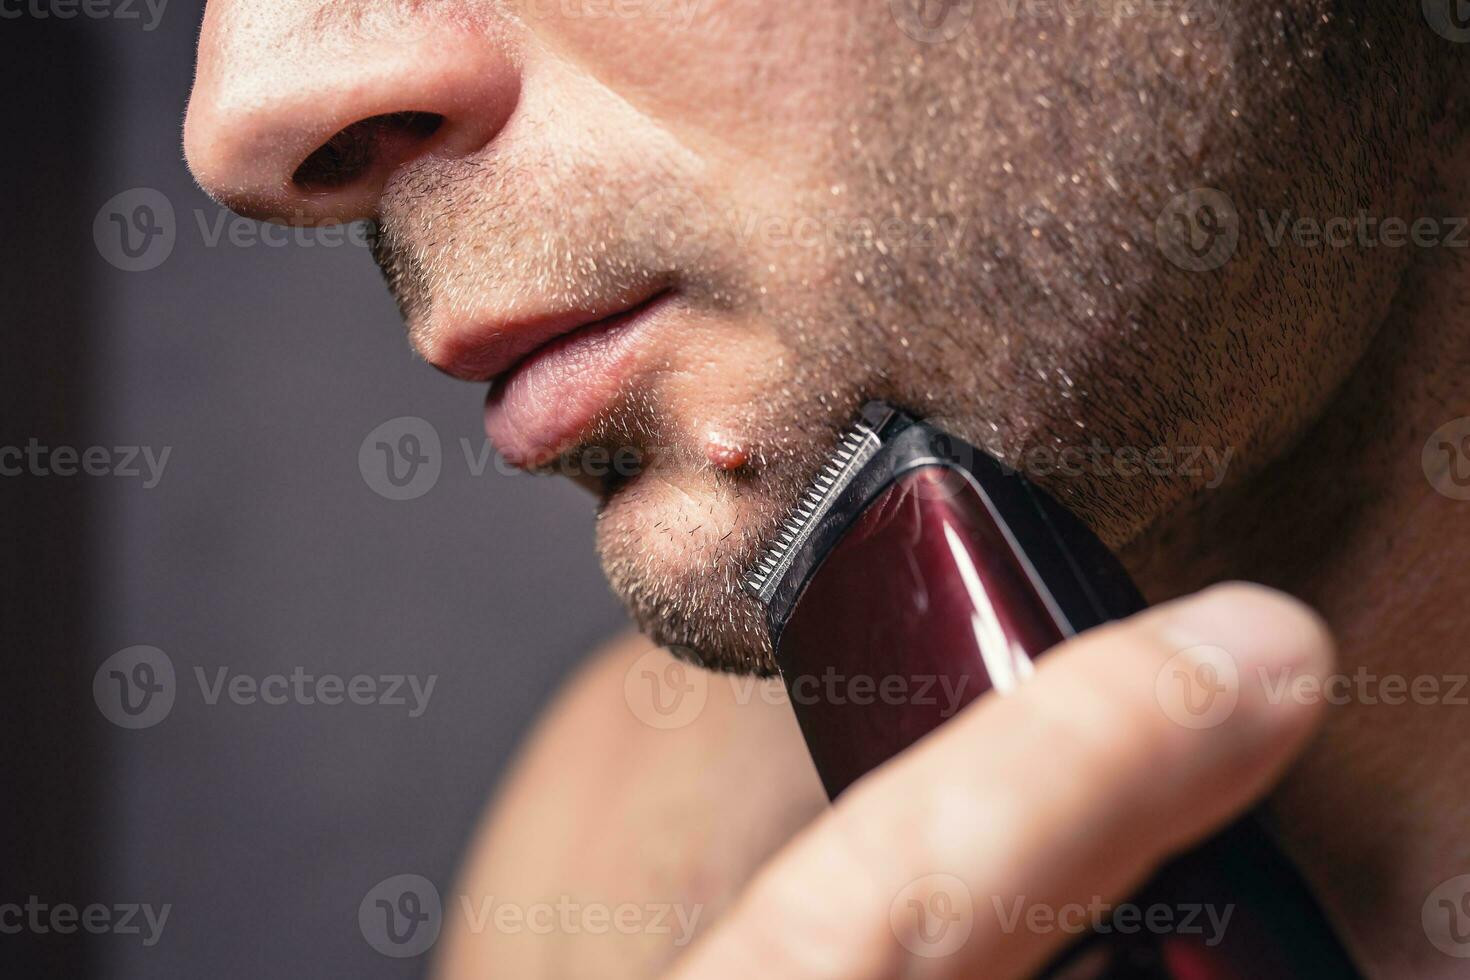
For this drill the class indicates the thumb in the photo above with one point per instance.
(1129, 743)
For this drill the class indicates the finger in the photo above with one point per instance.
(1072, 789)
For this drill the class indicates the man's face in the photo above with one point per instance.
(954, 206)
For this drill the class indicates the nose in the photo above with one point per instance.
(302, 109)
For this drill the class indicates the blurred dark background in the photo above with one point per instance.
(260, 366)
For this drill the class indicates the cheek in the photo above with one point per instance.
(724, 374)
(751, 75)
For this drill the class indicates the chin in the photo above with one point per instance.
(675, 542)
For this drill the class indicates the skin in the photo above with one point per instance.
(969, 228)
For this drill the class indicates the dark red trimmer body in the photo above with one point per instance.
(918, 574)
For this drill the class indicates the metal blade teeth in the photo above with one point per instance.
(854, 449)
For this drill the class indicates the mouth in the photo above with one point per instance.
(551, 380)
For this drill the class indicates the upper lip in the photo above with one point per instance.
(490, 348)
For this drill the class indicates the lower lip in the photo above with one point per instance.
(549, 399)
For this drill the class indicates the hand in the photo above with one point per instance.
(1070, 791)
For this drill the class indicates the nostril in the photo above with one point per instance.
(362, 147)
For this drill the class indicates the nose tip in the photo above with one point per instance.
(309, 134)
